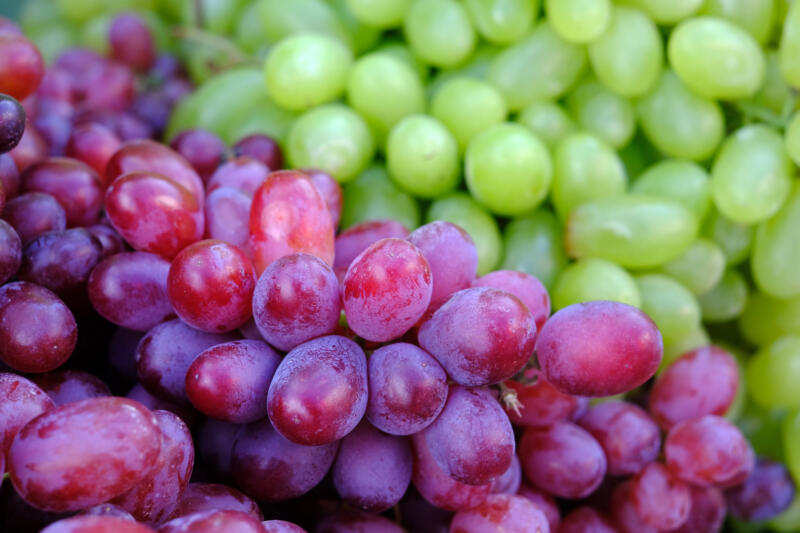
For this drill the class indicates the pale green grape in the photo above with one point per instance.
(792, 138)
(584, 169)
(540, 66)
(468, 106)
(766, 318)
(726, 300)
(307, 69)
(667, 11)
(502, 21)
(422, 156)
(700, 267)
(604, 113)
(789, 49)
(716, 58)
(379, 13)
(735, 239)
(332, 138)
(762, 427)
(383, 90)
(627, 58)
(280, 19)
(696, 338)
(679, 122)
(548, 121)
(508, 169)
(739, 402)
(685, 182)
(265, 117)
(634, 231)
(773, 373)
(219, 16)
(579, 21)
(439, 32)
(373, 196)
(774, 92)
(594, 279)
(460, 209)
(755, 16)
(776, 251)
(399, 50)
(249, 32)
(37, 13)
(791, 449)
(362, 36)
(82, 10)
(476, 67)
(535, 245)
(671, 306)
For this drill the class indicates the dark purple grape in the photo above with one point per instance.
(356, 522)
(154, 403)
(33, 214)
(660, 499)
(12, 122)
(211, 496)
(261, 147)
(152, 110)
(215, 442)
(110, 241)
(766, 492)
(10, 251)
(67, 386)
(243, 173)
(122, 352)
(131, 41)
(55, 127)
(9, 176)
(501, 512)
(20, 401)
(420, 516)
(203, 150)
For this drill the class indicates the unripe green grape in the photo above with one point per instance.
(699, 268)
(558, 66)
(774, 92)
(579, 21)
(332, 138)
(755, 16)
(381, 14)
(766, 318)
(508, 169)
(726, 300)
(535, 245)
(716, 58)
(696, 338)
(667, 12)
(384, 90)
(773, 373)
(249, 32)
(439, 32)
(548, 121)
(792, 138)
(468, 106)
(399, 50)
(627, 57)
(594, 279)
(680, 123)
(789, 519)
(502, 21)
(362, 36)
(422, 156)
(373, 196)
(634, 231)
(734, 238)
(604, 113)
(776, 251)
(585, 169)
(476, 67)
(789, 49)
(671, 306)
(460, 209)
(685, 182)
(751, 175)
(280, 19)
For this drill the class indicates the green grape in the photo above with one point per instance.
(627, 58)
(82, 10)
(52, 39)
(716, 58)
(460, 209)
(790, 433)
(776, 251)
(584, 169)
(789, 520)
(373, 196)
(332, 138)
(381, 14)
(548, 121)
(751, 175)
(685, 182)
(594, 279)
(399, 50)
(700, 267)
(219, 16)
(579, 21)
(363, 36)
(280, 19)
(535, 245)
(422, 156)
(634, 231)
(762, 427)
(696, 338)
(476, 67)
(755, 16)
(766, 318)
(468, 106)
(680, 123)
(383, 90)
(671, 306)
(265, 117)
(36, 13)
(439, 32)
(791, 138)
(736, 409)
(773, 373)
(735, 239)
(94, 34)
(558, 65)
(774, 92)
(249, 32)
(726, 300)
(502, 21)
(789, 49)
(306, 70)
(604, 113)
(508, 169)
(667, 12)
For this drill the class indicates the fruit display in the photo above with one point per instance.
(374, 266)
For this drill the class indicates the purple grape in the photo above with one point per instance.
(96, 524)
(356, 522)
(624, 513)
(227, 213)
(132, 41)
(203, 150)
(212, 522)
(67, 386)
(541, 404)
(199, 497)
(420, 516)
(525, 287)
(707, 512)
(351, 242)
(185, 413)
(262, 148)
(661, 500)
(501, 512)
(215, 442)
(12, 122)
(33, 214)
(281, 526)
(244, 174)
(544, 502)
(510, 481)
(108, 509)
(766, 492)
(586, 520)
(10, 251)
(20, 401)
(122, 352)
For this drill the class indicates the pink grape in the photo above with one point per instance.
(501, 512)
(241, 173)
(67, 386)
(213, 522)
(227, 213)
(202, 149)
(525, 287)
(281, 526)
(510, 481)
(96, 524)
(707, 511)
(262, 148)
(22, 401)
(330, 190)
(660, 499)
(75, 185)
(33, 214)
(624, 513)
(356, 522)
(351, 242)
(199, 497)
(544, 502)
(586, 520)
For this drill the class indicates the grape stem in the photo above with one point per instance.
(509, 399)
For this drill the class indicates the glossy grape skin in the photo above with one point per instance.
(21, 66)
(351, 242)
(281, 526)
(110, 241)
(32, 214)
(765, 493)
(93, 144)
(12, 123)
(203, 150)
(439, 33)
(467, 106)
(525, 287)
(670, 305)
(624, 513)
(542, 404)
(575, 339)
(229, 381)
(700, 268)
(227, 213)
(83, 453)
(22, 401)
(67, 386)
(534, 245)
(661, 500)
(97, 524)
(319, 392)
(261, 147)
(500, 513)
(586, 520)
(243, 173)
(548, 121)
(213, 521)
(683, 181)
(270, 468)
(131, 41)
(10, 251)
(789, 45)
(708, 451)
(771, 373)
(75, 185)
(198, 497)
(603, 113)
(774, 251)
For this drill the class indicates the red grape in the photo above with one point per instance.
(624, 513)
(33, 214)
(541, 404)
(21, 65)
(524, 286)
(131, 41)
(21, 402)
(67, 386)
(55, 127)
(108, 509)
(261, 147)
(281, 526)
(203, 150)
(96, 524)
(510, 481)
(330, 190)
(213, 522)
(32, 149)
(586, 520)
(227, 214)
(766, 492)
(707, 512)
(356, 522)
(211, 496)
(93, 144)
(544, 502)
(110, 241)
(154, 403)
(10, 251)
(355, 239)
(75, 185)
(110, 86)
(501, 512)
(243, 173)
(661, 500)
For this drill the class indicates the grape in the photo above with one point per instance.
(671, 306)
(501, 512)
(355, 239)
(260, 147)
(22, 401)
(281, 526)
(766, 318)
(467, 107)
(634, 231)
(508, 169)
(21, 66)
(379, 14)
(214, 444)
(108, 509)
(509, 481)
(502, 21)
(624, 513)
(789, 46)
(131, 41)
(595, 279)
(73, 184)
(356, 522)
(270, 468)
(130, 289)
(534, 245)
(767, 492)
(661, 500)
(372, 471)
(439, 32)
(774, 250)
(707, 511)
(726, 300)
(33, 214)
(96, 524)
(708, 451)
(67, 386)
(599, 348)
(422, 156)
(12, 123)
(525, 287)
(562, 459)
(541, 404)
(547, 120)
(9, 176)
(202, 149)
(93, 144)
(603, 113)
(734, 238)
(545, 503)
(10, 251)
(32, 149)
(700, 268)
(227, 214)
(374, 196)
(628, 436)
(386, 290)
(212, 521)
(200, 497)
(319, 391)
(586, 520)
(771, 373)
(716, 59)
